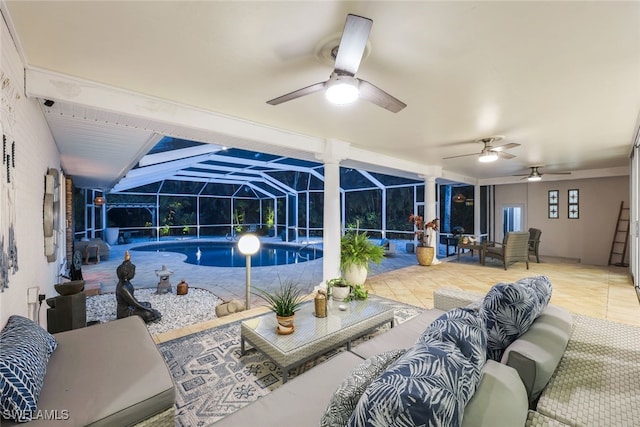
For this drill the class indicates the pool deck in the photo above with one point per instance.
(226, 282)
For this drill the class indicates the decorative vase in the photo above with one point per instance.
(111, 235)
(355, 274)
(425, 254)
(339, 293)
(183, 288)
(285, 324)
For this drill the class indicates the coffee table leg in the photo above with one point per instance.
(285, 375)
(242, 346)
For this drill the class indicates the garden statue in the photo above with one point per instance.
(128, 305)
(164, 286)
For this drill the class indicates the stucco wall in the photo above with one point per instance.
(35, 153)
(587, 238)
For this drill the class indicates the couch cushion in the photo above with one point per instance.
(300, 402)
(433, 381)
(596, 382)
(402, 336)
(509, 309)
(499, 400)
(25, 348)
(537, 353)
(106, 375)
(344, 399)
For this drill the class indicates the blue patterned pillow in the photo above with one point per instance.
(25, 349)
(509, 310)
(433, 381)
(541, 288)
(346, 397)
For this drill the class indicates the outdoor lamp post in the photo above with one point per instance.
(248, 245)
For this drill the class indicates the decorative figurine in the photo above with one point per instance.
(128, 305)
(164, 286)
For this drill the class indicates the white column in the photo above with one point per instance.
(335, 151)
(476, 210)
(430, 211)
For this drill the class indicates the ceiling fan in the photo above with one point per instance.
(343, 87)
(490, 152)
(536, 175)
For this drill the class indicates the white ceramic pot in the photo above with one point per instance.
(111, 235)
(339, 293)
(355, 275)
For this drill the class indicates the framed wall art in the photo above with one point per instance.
(553, 204)
(574, 204)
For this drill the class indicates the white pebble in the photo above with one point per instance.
(177, 311)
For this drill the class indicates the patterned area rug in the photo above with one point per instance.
(212, 380)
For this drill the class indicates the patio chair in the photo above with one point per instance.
(389, 247)
(514, 248)
(534, 242)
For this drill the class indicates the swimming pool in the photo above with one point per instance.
(226, 254)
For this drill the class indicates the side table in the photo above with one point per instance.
(480, 247)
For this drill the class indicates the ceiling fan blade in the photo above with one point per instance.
(352, 44)
(298, 93)
(379, 97)
(505, 146)
(462, 155)
(504, 155)
(557, 173)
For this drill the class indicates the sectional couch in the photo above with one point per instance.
(511, 367)
(110, 374)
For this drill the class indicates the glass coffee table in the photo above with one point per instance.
(313, 336)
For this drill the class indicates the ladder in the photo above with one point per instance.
(620, 237)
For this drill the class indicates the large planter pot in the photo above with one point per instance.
(425, 254)
(285, 325)
(355, 275)
(111, 235)
(339, 293)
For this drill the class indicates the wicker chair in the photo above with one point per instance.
(534, 242)
(514, 248)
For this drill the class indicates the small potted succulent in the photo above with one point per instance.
(284, 302)
(341, 290)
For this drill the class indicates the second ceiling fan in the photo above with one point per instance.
(343, 87)
(491, 152)
(536, 175)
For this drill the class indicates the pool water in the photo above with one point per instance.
(226, 254)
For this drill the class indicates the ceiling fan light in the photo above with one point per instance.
(534, 178)
(488, 156)
(342, 90)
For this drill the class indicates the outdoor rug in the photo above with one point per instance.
(212, 380)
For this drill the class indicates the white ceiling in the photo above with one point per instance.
(560, 78)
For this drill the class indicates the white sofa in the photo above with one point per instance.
(558, 373)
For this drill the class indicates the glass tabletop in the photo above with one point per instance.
(310, 329)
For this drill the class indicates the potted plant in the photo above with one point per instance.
(424, 231)
(356, 252)
(339, 288)
(284, 302)
(270, 221)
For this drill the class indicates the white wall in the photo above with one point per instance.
(587, 238)
(35, 153)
